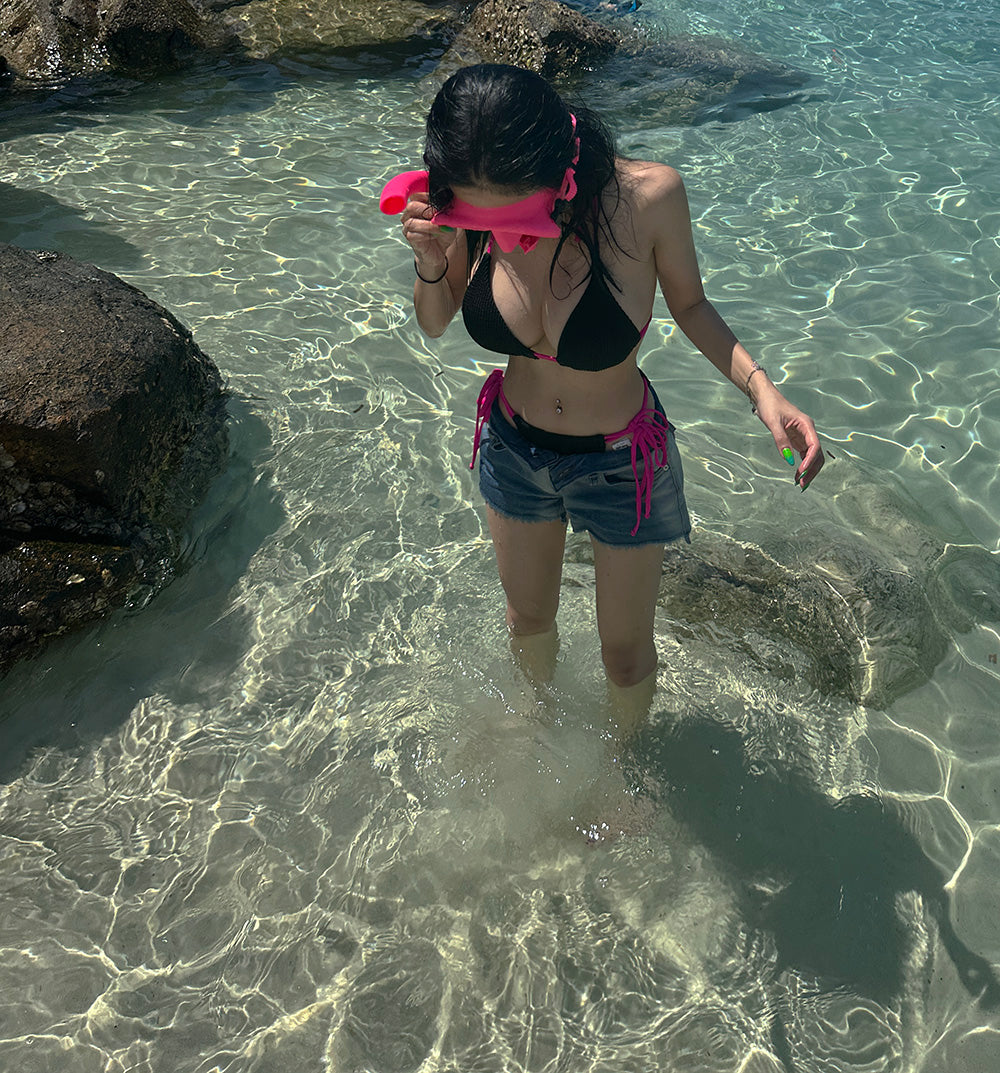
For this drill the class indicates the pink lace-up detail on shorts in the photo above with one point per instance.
(491, 391)
(648, 431)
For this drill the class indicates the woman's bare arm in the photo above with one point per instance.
(665, 207)
(439, 255)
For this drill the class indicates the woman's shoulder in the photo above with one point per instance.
(656, 200)
(648, 183)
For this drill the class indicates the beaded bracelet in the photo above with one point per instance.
(424, 278)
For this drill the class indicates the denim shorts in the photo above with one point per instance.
(596, 491)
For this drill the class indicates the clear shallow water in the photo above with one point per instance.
(302, 809)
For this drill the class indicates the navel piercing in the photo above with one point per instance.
(558, 406)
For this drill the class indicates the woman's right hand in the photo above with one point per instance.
(440, 283)
(428, 241)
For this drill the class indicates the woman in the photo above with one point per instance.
(554, 252)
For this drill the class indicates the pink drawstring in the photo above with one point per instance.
(648, 429)
(648, 432)
(487, 396)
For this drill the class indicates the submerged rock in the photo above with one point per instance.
(865, 608)
(831, 610)
(674, 79)
(112, 424)
(692, 78)
(768, 611)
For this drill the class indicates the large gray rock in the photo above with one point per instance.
(112, 424)
(49, 41)
(45, 42)
(138, 36)
(683, 79)
(391, 1015)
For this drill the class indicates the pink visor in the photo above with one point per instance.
(522, 223)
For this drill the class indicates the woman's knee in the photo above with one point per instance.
(527, 621)
(628, 664)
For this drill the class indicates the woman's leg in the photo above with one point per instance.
(628, 581)
(529, 558)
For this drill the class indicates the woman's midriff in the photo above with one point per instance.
(590, 402)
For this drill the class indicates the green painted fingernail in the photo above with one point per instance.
(789, 457)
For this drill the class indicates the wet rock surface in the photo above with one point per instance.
(48, 41)
(112, 424)
(46, 587)
(270, 28)
(542, 35)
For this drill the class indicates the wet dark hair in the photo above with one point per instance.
(504, 127)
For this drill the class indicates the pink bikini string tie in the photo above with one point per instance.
(649, 430)
(487, 396)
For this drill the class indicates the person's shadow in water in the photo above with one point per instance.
(821, 876)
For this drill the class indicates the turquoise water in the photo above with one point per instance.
(302, 809)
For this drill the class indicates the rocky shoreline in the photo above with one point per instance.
(47, 44)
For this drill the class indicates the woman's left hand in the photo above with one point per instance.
(793, 432)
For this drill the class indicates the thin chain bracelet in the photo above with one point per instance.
(755, 367)
(445, 273)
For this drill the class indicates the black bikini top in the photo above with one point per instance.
(598, 335)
